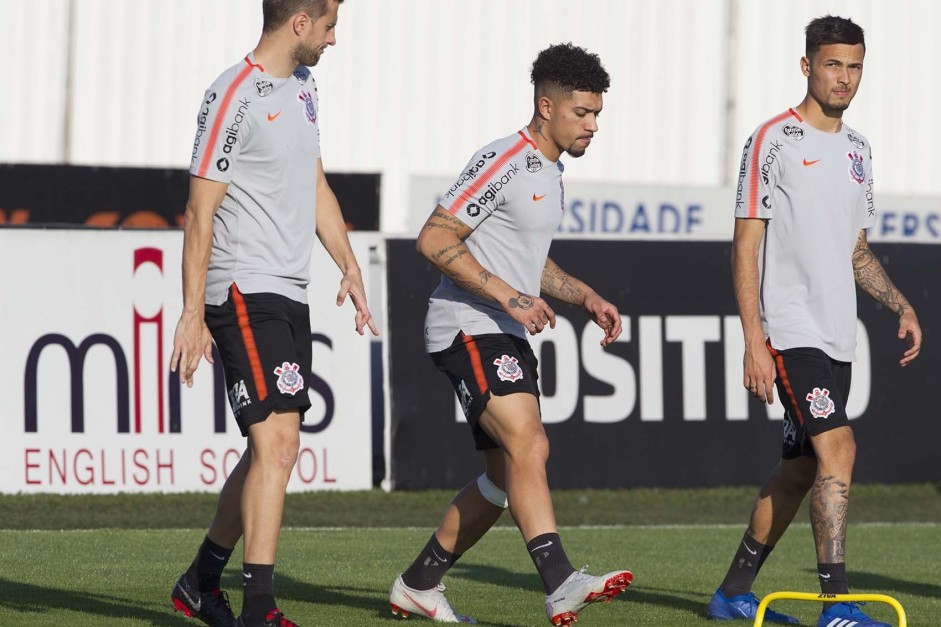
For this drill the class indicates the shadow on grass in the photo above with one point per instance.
(26, 599)
(665, 598)
(374, 600)
(634, 594)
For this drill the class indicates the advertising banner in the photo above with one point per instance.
(138, 197)
(665, 405)
(89, 403)
(620, 211)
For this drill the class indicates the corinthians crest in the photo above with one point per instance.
(533, 163)
(309, 111)
(508, 368)
(857, 171)
(821, 405)
(289, 379)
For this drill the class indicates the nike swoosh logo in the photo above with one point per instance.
(435, 553)
(218, 557)
(273, 117)
(806, 162)
(748, 548)
(197, 604)
(822, 576)
(430, 613)
(542, 546)
(246, 575)
(538, 198)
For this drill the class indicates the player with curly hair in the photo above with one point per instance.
(490, 236)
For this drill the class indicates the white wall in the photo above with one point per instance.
(413, 87)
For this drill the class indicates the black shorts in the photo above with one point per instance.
(814, 390)
(481, 365)
(264, 342)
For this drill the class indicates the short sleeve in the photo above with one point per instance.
(221, 128)
(474, 196)
(758, 175)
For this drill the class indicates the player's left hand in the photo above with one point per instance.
(910, 331)
(605, 315)
(352, 285)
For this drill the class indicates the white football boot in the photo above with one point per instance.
(428, 603)
(580, 589)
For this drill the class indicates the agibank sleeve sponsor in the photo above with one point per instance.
(759, 171)
(482, 187)
(221, 127)
(867, 204)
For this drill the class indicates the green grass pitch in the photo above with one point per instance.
(340, 575)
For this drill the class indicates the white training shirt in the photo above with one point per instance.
(512, 196)
(816, 191)
(260, 134)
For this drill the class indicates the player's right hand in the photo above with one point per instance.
(531, 311)
(191, 341)
(760, 373)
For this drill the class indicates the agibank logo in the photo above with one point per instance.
(495, 185)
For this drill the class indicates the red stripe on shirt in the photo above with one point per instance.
(468, 194)
(248, 337)
(476, 364)
(755, 166)
(531, 142)
(220, 116)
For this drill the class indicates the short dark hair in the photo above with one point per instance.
(276, 12)
(568, 68)
(831, 29)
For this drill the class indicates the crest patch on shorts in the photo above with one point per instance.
(508, 368)
(289, 379)
(821, 405)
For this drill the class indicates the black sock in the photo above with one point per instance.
(749, 558)
(550, 560)
(430, 566)
(832, 579)
(258, 586)
(206, 569)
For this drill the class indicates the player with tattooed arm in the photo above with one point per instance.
(490, 238)
(804, 204)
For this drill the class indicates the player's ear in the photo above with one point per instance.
(805, 66)
(300, 22)
(545, 107)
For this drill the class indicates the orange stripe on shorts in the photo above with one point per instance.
(248, 337)
(782, 372)
(476, 364)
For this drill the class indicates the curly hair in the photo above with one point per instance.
(831, 29)
(568, 68)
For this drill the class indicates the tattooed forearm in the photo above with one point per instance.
(458, 253)
(557, 284)
(473, 288)
(562, 286)
(828, 508)
(484, 277)
(437, 255)
(871, 277)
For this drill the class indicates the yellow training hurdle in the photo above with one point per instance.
(828, 598)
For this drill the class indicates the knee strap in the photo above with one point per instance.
(490, 491)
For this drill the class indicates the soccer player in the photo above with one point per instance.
(490, 238)
(257, 197)
(803, 208)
